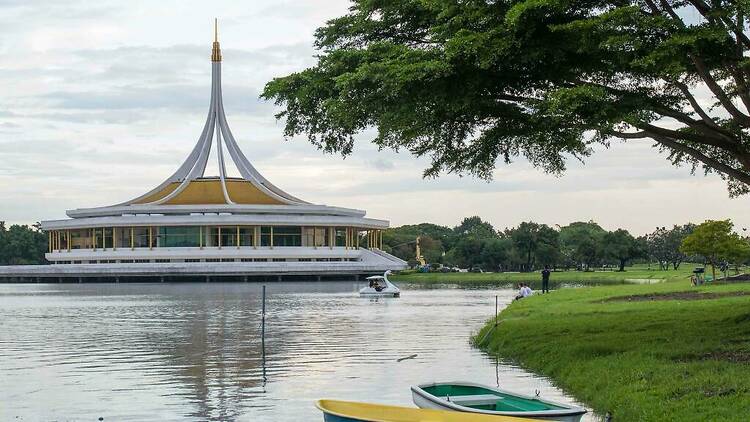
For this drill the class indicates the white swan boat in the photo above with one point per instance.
(380, 286)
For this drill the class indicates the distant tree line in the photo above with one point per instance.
(22, 245)
(475, 243)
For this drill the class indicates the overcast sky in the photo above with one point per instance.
(101, 101)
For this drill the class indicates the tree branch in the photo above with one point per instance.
(670, 11)
(739, 80)
(694, 103)
(705, 10)
(710, 128)
(703, 72)
(743, 158)
(699, 125)
(687, 136)
(703, 158)
(629, 135)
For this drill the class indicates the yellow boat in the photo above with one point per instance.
(349, 411)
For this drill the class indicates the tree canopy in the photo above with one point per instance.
(475, 82)
(581, 243)
(716, 241)
(535, 242)
(474, 243)
(22, 245)
(622, 246)
(664, 244)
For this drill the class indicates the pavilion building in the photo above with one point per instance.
(194, 225)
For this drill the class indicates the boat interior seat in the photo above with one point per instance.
(476, 400)
(522, 405)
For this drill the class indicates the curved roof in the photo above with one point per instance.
(188, 184)
(210, 191)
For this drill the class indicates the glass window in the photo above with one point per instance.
(287, 236)
(80, 239)
(265, 236)
(340, 236)
(122, 237)
(210, 236)
(247, 236)
(229, 236)
(178, 237)
(63, 240)
(213, 237)
(96, 233)
(107, 236)
(315, 236)
(140, 237)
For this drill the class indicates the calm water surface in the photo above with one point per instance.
(134, 352)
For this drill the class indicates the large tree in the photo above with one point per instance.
(621, 246)
(472, 82)
(476, 227)
(497, 254)
(535, 242)
(664, 245)
(717, 242)
(581, 243)
(22, 245)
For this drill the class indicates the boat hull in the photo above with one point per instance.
(424, 400)
(380, 294)
(344, 411)
(327, 417)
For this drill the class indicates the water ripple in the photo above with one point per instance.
(193, 351)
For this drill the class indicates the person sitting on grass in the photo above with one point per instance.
(527, 290)
(521, 291)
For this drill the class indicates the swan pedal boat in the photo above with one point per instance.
(380, 286)
(348, 411)
(479, 399)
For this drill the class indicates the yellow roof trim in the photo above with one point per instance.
(209, 192)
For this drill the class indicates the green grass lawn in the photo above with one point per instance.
(631, 274)
(656, 360)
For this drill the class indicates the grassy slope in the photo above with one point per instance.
(635, 272)
(652, 360)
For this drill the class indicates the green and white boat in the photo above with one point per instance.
(477, 398)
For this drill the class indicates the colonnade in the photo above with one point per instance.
(132, 237)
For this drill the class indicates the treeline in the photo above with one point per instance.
(22, 245)
(581, 245)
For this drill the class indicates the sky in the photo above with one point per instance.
(101, 101)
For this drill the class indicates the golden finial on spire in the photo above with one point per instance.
(216, 52)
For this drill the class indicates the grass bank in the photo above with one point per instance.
(645, 352)
(632, 274)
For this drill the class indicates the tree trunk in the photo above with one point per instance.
(713, 272)
(528, 260)
(622, 265)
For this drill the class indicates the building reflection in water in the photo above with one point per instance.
(193, 351)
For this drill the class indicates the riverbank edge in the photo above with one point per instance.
(653, 359)
(631, 275)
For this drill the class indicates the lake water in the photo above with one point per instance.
(135, 352)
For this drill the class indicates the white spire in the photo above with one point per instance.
(216, 123)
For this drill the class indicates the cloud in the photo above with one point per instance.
(171, 97)
(102, 102)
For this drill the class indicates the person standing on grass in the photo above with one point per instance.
(545, 279)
